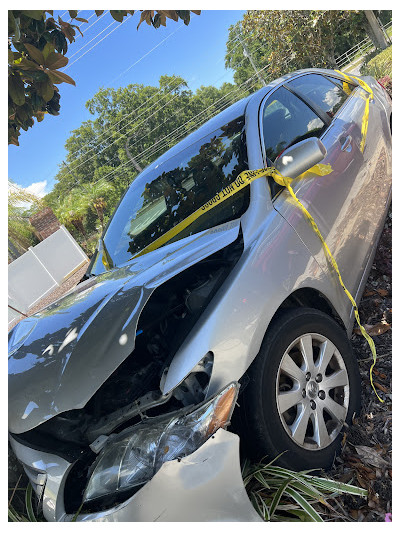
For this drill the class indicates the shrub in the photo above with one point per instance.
(379, 66)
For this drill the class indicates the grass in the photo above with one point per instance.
(380, 65)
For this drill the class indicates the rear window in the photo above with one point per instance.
(321, 91)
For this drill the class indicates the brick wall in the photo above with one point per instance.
(45, 223)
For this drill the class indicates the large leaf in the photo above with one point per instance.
(46, 90)
(49, 47)
(37, 15)
(34, 53)
(55, 61)
(73, 13)
(59, 77)
(25, 64)
(117, 15)
(16, 89)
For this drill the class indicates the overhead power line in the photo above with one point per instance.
(145, 55)
(161, 143)
(94, 46)
(138, 156)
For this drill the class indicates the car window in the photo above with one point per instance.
(165, 194)
(347, 87)
(320, 91)
(286, 121)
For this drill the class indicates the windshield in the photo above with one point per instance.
(166, 193)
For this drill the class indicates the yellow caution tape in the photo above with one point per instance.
(246, 177)
(370, 95)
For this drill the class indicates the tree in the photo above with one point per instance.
(147, 119)
(291, 39)
(95, 194)
(37, 45)
(20, 233)
(72, 211)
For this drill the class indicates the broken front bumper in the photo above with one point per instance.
(204, 486)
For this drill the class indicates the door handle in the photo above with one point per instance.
(345, 144)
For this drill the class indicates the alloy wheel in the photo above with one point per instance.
(312, 391)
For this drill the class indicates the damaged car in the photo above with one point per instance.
(130, 395)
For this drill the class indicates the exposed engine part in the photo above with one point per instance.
(99, 443)
(110, 422)
(193, 388)
(134, 387)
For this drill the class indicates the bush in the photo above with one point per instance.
(379, 66)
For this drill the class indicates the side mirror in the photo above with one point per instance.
(300, 157)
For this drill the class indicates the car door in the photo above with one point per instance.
(318, 106)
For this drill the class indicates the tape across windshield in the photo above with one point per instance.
(248, 176)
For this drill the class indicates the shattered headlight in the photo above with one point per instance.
(137, 453)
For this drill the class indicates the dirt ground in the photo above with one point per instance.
(366, 458)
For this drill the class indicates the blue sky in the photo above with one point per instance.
(195, 52)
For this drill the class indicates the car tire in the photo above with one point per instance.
(306, 360)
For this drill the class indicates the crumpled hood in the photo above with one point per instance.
(65, 353)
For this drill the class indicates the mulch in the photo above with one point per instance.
(366, 458)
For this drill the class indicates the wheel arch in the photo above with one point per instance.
(308, 297)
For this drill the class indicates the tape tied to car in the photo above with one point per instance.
(368, 97)
(243, 180)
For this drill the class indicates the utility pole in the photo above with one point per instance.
(378, 36)
(247, 54)
(72, 174)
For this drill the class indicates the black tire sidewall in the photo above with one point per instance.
(267, 436)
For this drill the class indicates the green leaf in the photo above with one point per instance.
(11, 23)
(37, 15)
(48, 48)
(298, 498)
(16, 89)
(277, 496)
(28, 503)
(46, 90)
(337, 486)
(117, 15)
(55, 61)
(35, 54)
(26, 64)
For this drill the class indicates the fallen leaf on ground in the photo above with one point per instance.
(371, 456)
(382, 292)
(373, 330)
(381, 387)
